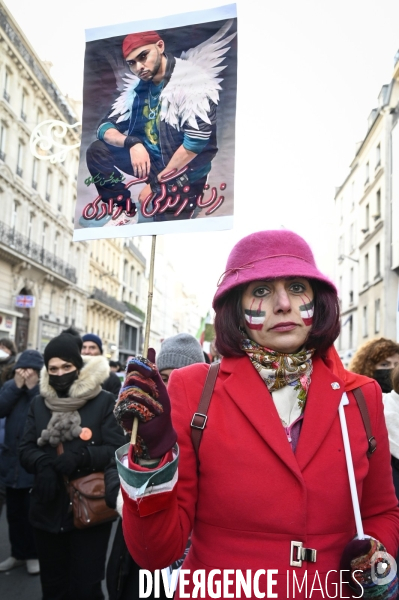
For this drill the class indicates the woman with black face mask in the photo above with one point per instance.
(376, 359)
(379, 359)
(70, 432)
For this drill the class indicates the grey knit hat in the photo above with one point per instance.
(179, 351)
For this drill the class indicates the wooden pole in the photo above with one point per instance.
(147, 324)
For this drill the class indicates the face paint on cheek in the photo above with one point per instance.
(255, 318)
(307, 310)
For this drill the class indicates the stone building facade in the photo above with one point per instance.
(368, 232)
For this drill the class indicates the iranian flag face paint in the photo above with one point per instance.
(255, 318)
(306, 310)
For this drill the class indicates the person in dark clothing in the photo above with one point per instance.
(2, 486)
(122, 570)
(8, 352)
(16, 396)
(74, 411)
(93, 346)
(176, 352)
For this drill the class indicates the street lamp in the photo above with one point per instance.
(342, 256)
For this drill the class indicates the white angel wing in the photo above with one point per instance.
(124, 102)
(195, 81)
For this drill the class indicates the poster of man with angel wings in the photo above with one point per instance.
(158, 131)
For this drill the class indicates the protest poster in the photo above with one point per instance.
(158, 128)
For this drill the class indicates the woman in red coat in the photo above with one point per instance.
(269, 505)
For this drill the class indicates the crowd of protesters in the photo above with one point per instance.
(57, 424)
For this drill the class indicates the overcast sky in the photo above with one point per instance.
(309, 74)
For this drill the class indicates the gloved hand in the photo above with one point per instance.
(67, 462)
(372, 564)
(144, 395)
(46, 481)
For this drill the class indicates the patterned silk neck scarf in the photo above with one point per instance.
(280, 370)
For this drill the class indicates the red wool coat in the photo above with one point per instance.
(253, 495)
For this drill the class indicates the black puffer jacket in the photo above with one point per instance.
(97, 415)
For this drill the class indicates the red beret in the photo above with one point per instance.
(135, 40)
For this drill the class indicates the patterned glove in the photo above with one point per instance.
(143, 395)
(375, 572)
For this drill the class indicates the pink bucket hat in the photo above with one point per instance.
(268, 255)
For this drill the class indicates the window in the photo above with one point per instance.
(20, 157)
(67, 309)
(56, 240)
(73, 212)
(23, 105)
(44, 234)
(39, 116)
(60, 196)
(138, 284)
(378, 156)
(3, 131)
(350, 331)
(377, 316)
(48, 185)
(352, 241)
(30, 225)
(365, 324)
(366, 218)
(366, 269)
(377, 214)
(35, 167)
(74, 307)
(351, 278)
(377, 260)
(132, 277)
(366, 173)
(353, 195)
(125, 270)
(52, 294)
(78, 264)
(6, 88)
(14, 214)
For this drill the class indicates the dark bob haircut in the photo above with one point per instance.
(325, 327)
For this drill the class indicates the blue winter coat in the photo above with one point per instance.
(2, 433)
(14, 404)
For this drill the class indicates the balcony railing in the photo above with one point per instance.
(105, 298)
(11, 238)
